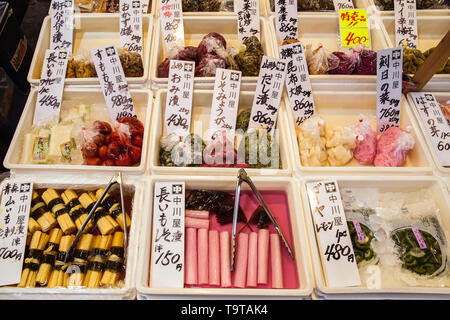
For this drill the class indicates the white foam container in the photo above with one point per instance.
(128, 291)
(200, 113)
(195, 28)
(142, 99)
(421, 12)
(91, 31)
(359, 4)
(299, 244)
(324, 29)
(386, 183)
(340, 108)
(440, 97)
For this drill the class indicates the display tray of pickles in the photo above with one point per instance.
(103, 6)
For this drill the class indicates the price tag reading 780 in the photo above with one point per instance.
(354, 28)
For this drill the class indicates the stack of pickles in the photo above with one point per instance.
(98, 257)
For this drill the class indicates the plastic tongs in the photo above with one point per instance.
(243, 177)
(117, 178)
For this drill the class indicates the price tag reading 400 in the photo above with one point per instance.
(354, 28)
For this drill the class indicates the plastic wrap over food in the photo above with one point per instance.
(347, 63)
(320, 60)
(260, 148)
(366, 142)
(366, 61)
(312, 141)
(340, 144)
(393, 147)
(249, 57)
(181, 151)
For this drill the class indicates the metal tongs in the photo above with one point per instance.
(117, 178)
(243, 177)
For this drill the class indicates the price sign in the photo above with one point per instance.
(435, 124)
(389, 88)
(171, 16)
(179, 97)
(61, 32)
(298, 84)
(330, 224)
(268, 94)
(286, 19)
(406, 23)
(14, 213)
(354, 28)
(248, 20)
(131, 25)
(113, 83)
(168, 235)
(343, 5)
(225, 101)
(51, 85)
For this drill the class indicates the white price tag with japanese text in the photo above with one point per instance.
(389, 88)
(298, 84)
(113, 83)
(342, 5)
(179, 97)
(269, 90)
(330, 225)
(406, 23)
(131, 25)
(168, 235)
(248, 20)
(14, 213)
(61, 32)
(171, 16)
(286, 19)
(225, 100)
(51, 86)
(435, 124)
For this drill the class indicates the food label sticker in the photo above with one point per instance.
(51, 85)
(168, 235)
(269, 90)
(225, 101)
(343, 5)
(61, 33)
(179, 97)
(248, 20)
(131, 25)
(389, 88)
(338, 258)
(286, 19)
(359, 232)
(406, 23)
(420, 241)
(14, 213)
(354, 28)
(298, 84)
(171, 16)
(113, 83)
(40, 148)
(145, 4)
(435, 124)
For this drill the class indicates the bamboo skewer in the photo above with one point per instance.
(114, 208)
(58, 277)
(56, 204)
(114, 264)
(97, 259)
(76, 210)
(41, 214)
(31, 263)
(49, 256)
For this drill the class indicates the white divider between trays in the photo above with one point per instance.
(388, 183)
(26, 121)
(128, 291)
(285, 150)
(420, 151)
(299, 243)
(97, 29)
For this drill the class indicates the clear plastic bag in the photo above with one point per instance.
(393, 147)
(366, 142)
(320, 60)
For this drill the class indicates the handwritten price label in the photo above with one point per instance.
(354, 28)
(355, 37)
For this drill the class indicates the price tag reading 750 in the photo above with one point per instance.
(354, 29)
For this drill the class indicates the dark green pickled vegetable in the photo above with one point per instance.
(190, 5)
(249, 57)
(363, 251)
(414, 58)
(258, 149)
(421, 261)
(420, 4)
(243, 120)
(177, 157)
(310, 5)
(201, 5)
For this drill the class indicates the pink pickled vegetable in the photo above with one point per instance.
(196, 223)
(393, 147)
(263, 255)
(240, 271)
(252, 265)
(190, 276)
(366, 143)
(276, 263)
(202, 244)
(225, 273)
(199, 214)
(214, 258)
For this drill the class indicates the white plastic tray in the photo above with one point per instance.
(339, 108)
(299, 245)
(142, 99)
(324, 29)
(386, 183)
(440, 97)
(195, 28)
(91, 31)
(200, 114)
(128, 291)
(422, 12)
(359, 4)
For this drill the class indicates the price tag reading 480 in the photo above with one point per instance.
(354, 28)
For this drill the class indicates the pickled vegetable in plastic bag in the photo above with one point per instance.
(320, 60)
(366, 142)
(312, 141)
(347, 63)
(393, 147)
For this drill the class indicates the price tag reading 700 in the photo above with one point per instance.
(354, 29)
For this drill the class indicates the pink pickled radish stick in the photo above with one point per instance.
(240, 272)
(199, 214)
(276, 264)
(263, 255)
(196, 223)
(191, 256)
(225, 273)
(252, 265)
(214, 258)
(202, 241)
